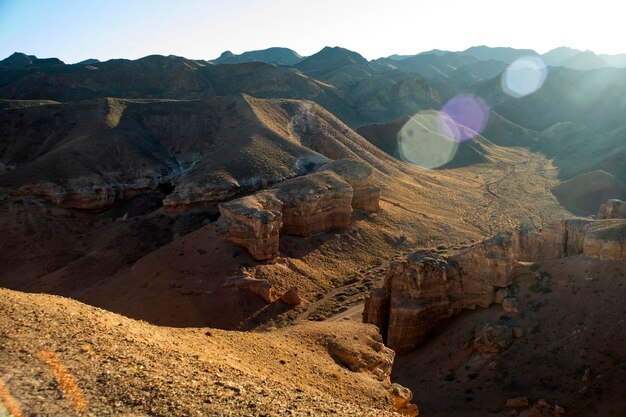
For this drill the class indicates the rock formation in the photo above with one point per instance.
(604, 239)
(428, 287)
(315, 203)
(261, 287)
(254, 222)
(302, 206)
(366, 196)
(612, 209)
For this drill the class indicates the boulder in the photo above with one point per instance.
(402, 397)
(492, 338)
(612, 209)
(510, 305)
(254, 222)
(519, 402)
(291, 297)
(261, 287)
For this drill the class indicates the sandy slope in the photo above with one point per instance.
(58, 356)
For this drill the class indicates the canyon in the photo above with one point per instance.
(248, 236)
(429, 287)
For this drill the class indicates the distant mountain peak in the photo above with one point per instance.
(273, 55)
(331, 58)
(226, 54)
(21, 60)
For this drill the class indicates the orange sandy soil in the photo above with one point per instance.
(61, 357)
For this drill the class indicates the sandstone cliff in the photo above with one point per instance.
(254, 222)
(428, 287)
(302, 206)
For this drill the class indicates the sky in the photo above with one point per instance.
(74, 30)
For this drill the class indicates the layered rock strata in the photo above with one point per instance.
(302, 206)
(428, 287)
(366, 196)
(604, 239)
(254, 222)
(315, 203)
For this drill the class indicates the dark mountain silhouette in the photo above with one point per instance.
(21, 60)
(278, 56)
(89, 61)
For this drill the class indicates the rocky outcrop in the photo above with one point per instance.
(604, 239)
(366, 196)
(302, 206)
(402, 397)
(428, 287)
(254, 222)
(261, 287)
(315, 203)
(376, 359)
(83, 197)
(612, 209)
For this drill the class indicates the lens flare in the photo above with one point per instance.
(469, 113)
(524, 76)
(428, 139)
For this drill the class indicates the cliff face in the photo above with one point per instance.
(366, 196)
(254, 222)
(612, 209)
(428, 287)
(315, 203)
(302, 206)
(595, 238)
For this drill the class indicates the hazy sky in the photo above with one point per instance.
(74, 30)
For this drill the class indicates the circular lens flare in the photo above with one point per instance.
(469, 113)
(428, 139)
(524, 76)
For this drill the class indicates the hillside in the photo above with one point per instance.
(90, 361)
(134, 256)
